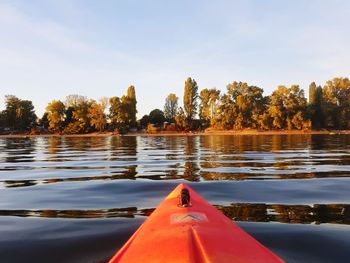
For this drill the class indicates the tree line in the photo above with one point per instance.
(242, 106)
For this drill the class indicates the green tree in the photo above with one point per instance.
(315, 106)
(19, 114)
(44, 121)
(144, 121)
(25, 115)
(171, 107)
(55, 114)
(190, 100)
(2, 120)
(12, 104)
(68, 113)
(156, 117)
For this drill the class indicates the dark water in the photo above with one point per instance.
(79, 199)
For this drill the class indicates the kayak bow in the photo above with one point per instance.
(186, 228)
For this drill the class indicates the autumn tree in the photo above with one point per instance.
(190, 100)
(248, 104)
(55, 114)
(180, 119)
(74, 100)
(73, 104)
(312, 91)
(336, 95)
(80, 121)
(96, 113)
(287, 108)
(208, 104)
(171, 107)
(226, 113)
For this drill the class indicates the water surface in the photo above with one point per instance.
(79, 199)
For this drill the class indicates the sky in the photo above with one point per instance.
(51, 49)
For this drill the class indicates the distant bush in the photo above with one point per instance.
(151, 128)
(171, 127)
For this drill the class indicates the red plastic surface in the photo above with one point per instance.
(199, 233)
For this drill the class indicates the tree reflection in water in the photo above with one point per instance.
(292, 214)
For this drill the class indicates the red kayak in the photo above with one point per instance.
(186, 228)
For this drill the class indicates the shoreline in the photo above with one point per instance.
(169, 134)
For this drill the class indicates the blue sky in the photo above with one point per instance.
(50, 49)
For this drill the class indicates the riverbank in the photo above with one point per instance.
(206, 133)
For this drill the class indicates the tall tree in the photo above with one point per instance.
(12, 104)
(315, 105)
(312, 91)
(44, 121)
(204, 109)
(2, 119)
(55, 114)
(208, 104)
(171, 107)
(131, 105)
(115, 112)
(190, 100)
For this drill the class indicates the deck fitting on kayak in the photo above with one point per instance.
(185, 198)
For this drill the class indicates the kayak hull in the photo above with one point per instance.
(196, 232)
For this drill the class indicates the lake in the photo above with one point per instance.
(72, 199)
